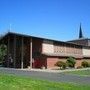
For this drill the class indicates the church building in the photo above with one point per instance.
(35, 52)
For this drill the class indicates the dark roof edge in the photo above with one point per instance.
(24, 35)
(78, 39)
(3, 35)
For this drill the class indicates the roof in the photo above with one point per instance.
(2, 36)
(24, 35)
(79, 39)
(76, 41)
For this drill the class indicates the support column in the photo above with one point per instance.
(8, 49)
(22, 51)
(65, 46)
(31, 53)
(14, 57)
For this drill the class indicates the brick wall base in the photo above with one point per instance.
(51, 61)
(78, 62)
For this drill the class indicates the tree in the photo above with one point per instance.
(71, 61)
(3, 52)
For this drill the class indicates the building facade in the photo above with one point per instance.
(25, 51)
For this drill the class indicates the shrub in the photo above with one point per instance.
(61, 64)
(85, 64)
(71, 61)
(79, 67)
(88, 64)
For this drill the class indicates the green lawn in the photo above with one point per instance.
(10, 82)
(80, 72)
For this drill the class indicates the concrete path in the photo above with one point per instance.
(58, 77)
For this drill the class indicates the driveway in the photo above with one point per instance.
(58, 77)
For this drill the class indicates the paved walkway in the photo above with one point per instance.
(58, 77)
(56, 71)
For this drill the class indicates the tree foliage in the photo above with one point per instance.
(71, 61)
(3, 51)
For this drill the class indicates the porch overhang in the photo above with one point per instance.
(63, 55)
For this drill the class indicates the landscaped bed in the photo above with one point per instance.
(10, 82)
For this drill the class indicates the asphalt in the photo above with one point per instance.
(57, 77)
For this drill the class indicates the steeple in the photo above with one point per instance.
(80, 32)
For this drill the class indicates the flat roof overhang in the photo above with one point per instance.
(29, 36)
(63, 55)
(86, 56)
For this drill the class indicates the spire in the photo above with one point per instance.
(80, 32)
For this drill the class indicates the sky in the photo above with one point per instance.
(53, 19)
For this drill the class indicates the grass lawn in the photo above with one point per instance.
(80, 72)
(10, 82)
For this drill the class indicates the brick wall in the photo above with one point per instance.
(78, 62)
(51, 61)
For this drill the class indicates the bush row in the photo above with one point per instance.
(71, 63)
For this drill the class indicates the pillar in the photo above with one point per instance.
(14, 57)
(22, 52)
(31, 53)
(8, 51)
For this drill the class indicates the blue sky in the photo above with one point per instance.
(54, 19)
